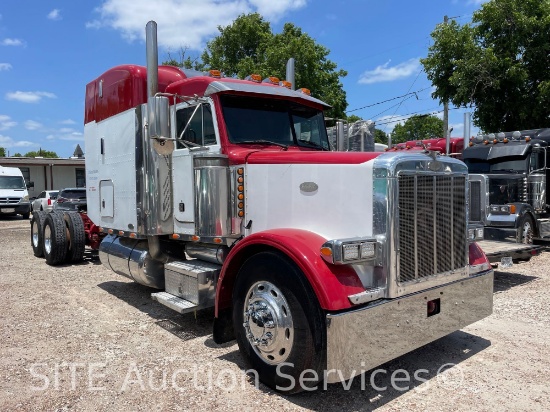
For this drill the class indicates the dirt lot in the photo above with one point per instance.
(79, 337)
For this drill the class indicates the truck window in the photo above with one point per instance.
(537, 160)
(280, 121)
(200, 125)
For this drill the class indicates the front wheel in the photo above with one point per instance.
(526, 230)
(278, 323)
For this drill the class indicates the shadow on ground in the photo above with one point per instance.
(508, 280)
(185, 327)
(437, 363)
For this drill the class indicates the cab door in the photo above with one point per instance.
(196, 133)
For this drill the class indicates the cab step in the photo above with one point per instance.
(174, 302)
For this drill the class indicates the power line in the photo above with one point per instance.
(402, 117)
(414, 81)
(393, 98)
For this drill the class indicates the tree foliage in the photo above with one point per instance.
(249, 46)
(41, 153)
(497, 63)
(416, 128)
(380, 136)
(183, 59)
(2, 152)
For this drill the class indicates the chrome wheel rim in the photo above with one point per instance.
(47, 240)
(268, 322)
(35, 234)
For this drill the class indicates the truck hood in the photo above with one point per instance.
(13, 192)
(294, 156)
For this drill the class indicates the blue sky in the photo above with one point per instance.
(50, 50)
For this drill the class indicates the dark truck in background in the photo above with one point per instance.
(508, 175)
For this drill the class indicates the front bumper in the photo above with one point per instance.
(19, 208)
(361, 339)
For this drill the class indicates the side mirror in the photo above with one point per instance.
(29, 185)
(158, 115)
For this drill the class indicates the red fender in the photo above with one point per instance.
(331, 283)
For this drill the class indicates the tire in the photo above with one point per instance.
(76, 237)
(272, 296)
(37, 233)
(526, 230)
(55, 239)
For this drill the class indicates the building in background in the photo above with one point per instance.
(49, 174)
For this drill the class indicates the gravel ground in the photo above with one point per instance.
(79, 337)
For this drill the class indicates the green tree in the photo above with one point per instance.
(2, 152)
(416, 128)
(18, 155)
(249, 46)
(498, 63)
(182, 59)
(42, 153)
(380, 136)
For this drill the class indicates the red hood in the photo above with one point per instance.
(241, 155)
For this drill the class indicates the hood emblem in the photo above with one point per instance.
(309, 187)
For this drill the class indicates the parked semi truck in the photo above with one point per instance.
(223, 193)
(509, 172)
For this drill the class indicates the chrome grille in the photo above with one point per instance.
(475, 201)
(9, 200)
(432, 225)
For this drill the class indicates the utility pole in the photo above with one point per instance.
(445, 103)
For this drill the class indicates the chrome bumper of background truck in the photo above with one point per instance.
(359, 340)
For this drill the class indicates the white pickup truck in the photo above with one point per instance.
(14, 197)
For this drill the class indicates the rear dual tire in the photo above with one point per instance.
(37, 233)
(63, 238)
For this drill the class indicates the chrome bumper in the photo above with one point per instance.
(360, 340)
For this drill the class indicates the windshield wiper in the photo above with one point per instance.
(309, 142)
(264, 142)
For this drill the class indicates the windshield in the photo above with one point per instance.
(12, 182)
(274, 121)
(504, 164)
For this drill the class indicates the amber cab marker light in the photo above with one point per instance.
(175, 236)
(133, 235)
(254, 78)
(195, 238)
(285, 83)
(240, 171)
(215, 73)
(217, 240)
(110, 231)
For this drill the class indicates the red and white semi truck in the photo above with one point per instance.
(224, 193)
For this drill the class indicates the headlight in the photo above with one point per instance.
(26, 198)
(495, 208)
(347, 251)
(475, 233)
(505, 209)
